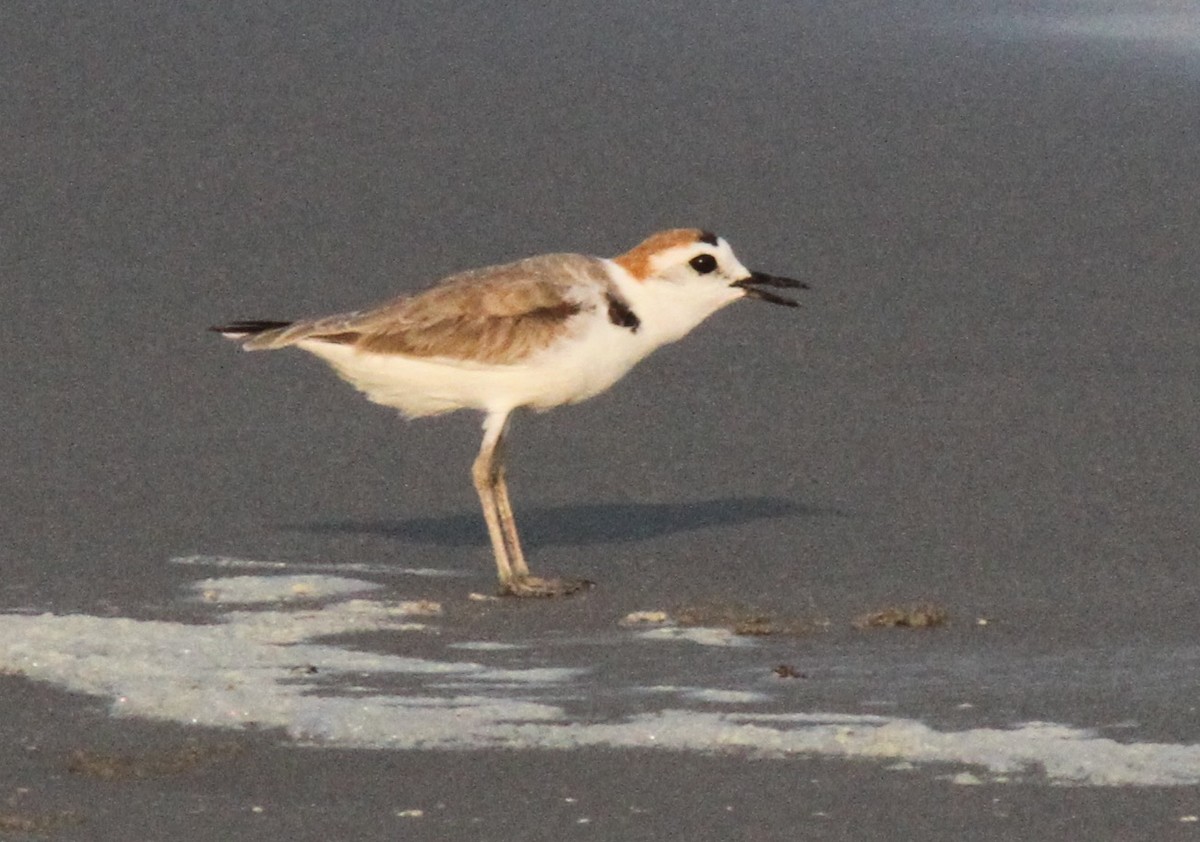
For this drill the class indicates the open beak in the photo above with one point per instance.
(758, 279)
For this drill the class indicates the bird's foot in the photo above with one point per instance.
(538, 587)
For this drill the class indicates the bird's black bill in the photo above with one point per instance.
(758, 279)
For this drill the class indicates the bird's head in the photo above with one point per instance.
(701, 265)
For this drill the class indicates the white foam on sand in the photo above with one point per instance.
(703, 635)
(485, 646)
(709, 694)
(262, 668)
(222, 562)
(1176, 28)
(251, 589)
(1169, 26)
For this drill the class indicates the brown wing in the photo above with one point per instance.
(496, 315)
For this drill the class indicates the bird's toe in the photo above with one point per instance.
(536, 586)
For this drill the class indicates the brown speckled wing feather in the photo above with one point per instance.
(497, 315)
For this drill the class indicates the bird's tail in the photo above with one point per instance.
(254, 335)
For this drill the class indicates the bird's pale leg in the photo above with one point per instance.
(483, 473)
(508, 523)
(488, 472)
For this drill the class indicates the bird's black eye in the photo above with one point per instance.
(703, 263)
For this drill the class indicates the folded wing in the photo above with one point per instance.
(497, 315)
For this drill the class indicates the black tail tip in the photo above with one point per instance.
(247, 328)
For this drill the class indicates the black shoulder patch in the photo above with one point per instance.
(708, 237)
(620, 314)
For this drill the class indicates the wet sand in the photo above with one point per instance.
(987, 405)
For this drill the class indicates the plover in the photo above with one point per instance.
(541, 332)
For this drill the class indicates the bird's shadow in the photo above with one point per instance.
(575, 525)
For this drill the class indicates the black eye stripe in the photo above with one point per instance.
(703, 263)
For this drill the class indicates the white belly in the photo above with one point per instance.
(583, 365)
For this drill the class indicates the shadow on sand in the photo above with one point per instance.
(576, 525)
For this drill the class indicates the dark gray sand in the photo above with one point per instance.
(213, 563)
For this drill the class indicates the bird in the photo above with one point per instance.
(536, 333)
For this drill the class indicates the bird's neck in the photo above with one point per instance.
(667, 310)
